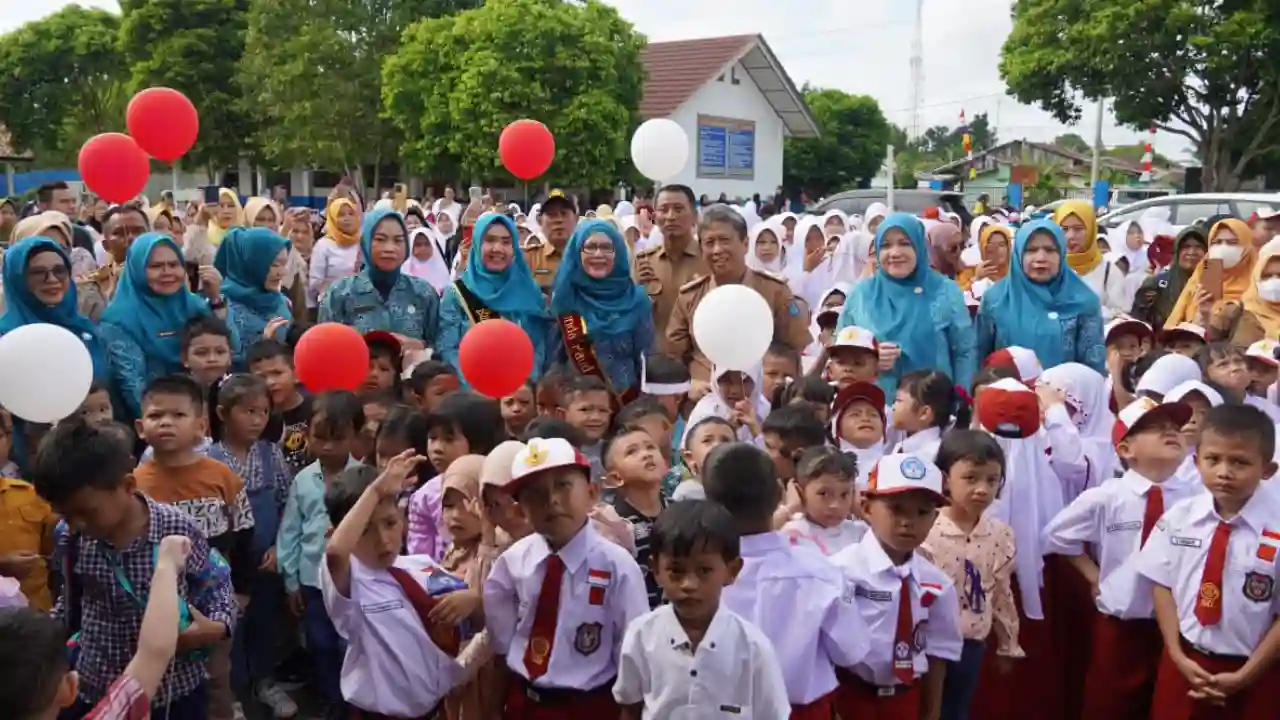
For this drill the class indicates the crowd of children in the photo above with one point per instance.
(1047, 543)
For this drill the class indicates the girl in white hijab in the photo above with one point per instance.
(1083, 455)
(426, 259)
(835, 228)
(767, 254)
(738, 398)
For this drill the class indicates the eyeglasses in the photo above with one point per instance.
(605, 249)
(57, 272)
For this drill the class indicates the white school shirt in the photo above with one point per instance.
(923, 444)
(732, 673)
(804, 606)
(391, 666)
(1175, 554)
(588, 636)
(935, 609)
(802, 531)
(1110, 516)
(1068, 460)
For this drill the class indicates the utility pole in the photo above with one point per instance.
(1097, 144)
(917, 71)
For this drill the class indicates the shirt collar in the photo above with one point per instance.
(920, 439)
(761, 544)
(878, 561)
(1255, 512)
(574, 553)
(947, 527)
(1136, 482)
(679, 639)
(549, 250)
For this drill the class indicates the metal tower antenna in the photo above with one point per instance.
(917, 70)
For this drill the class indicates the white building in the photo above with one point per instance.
(736, 104)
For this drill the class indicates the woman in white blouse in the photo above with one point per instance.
(335, 255)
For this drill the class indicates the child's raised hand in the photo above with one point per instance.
(1050, 396)
(174, 549)
(456, 607)
(395, 478)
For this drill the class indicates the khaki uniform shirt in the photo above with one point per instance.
(672, 273)
(26, 525)
(790, 319)
(544, 260)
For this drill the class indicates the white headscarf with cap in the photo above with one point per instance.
(713, 403)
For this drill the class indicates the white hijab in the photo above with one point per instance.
(433, 269)
(1090, 410)
(815, 347)
(713, 403)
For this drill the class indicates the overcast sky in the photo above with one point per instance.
(860, 46)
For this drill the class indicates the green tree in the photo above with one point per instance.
(455, 82)
(62, 81)
(312, 73)
(1205, 70)
(1073, 142)
(194, 46)
(851, 148)
(984, 134)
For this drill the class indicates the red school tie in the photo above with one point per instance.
(1155, 508)
(537, 654)
(1209, 602)
(903, 648)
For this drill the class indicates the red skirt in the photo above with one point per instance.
(1122, 672)
(526, 702)
(1048, 683)
(821, 709)
(1259, 701)
(857, 699)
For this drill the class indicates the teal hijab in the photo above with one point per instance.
(511, 291)
(22, 307)
(245, 258)
(1029, 314)
(612, 305)
(900, 310)
(383, 280)
(153, 321)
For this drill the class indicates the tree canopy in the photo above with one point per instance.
(61, 81)
(193, 46)
(1205, 70)
(850, 150)
(455, 82)
(312, 74)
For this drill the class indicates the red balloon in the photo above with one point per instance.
(331, 356)
(164, 122)
(114, 167)
(526, 148)
(495, 357)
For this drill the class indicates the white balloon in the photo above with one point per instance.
(45, 372)
(660, 149)
(733, 327)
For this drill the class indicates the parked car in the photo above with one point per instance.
(856, 202)
(1187, 209)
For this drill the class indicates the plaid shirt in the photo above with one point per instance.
(111, 619)
(258, 470)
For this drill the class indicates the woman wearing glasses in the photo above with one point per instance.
(604, 319)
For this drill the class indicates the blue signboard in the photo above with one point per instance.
(726, 148)
(1015, 195)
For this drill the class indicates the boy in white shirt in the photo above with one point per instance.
(558, 601)
(1213, 561)
(1118, 517)
(695, 657)
(910, 607)
(399, 664)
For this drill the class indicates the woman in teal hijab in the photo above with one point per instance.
(604, 318)
(252, 262)
(496, 283)
(1043, 305)
(142, 327)
(38, 288)
(379, 296)
(911, 309)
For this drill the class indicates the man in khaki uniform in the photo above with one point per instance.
(723, 236)
(558, 218)
(663, 269)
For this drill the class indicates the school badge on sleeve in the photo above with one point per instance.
(587, 638)
(1259, 587)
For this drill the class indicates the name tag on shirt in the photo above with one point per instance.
(1191, 542)
(874, 595)
(731, 709)
(381, 607)
(1122, 526)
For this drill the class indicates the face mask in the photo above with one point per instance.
(1230, 255)
(1269, 289)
